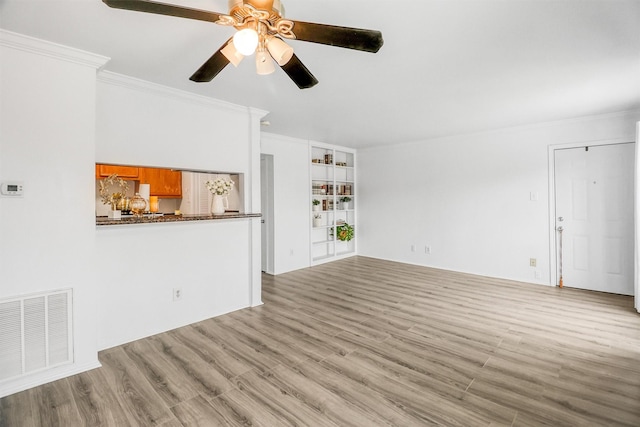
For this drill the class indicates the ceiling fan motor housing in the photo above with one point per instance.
(266, 5)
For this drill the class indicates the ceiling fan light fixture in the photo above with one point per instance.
(231, 53)
(246, 41)
(280, 51)
(264, 64)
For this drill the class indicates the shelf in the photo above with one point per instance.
(323, 242)
(337, 177)
(344, 253)
(323, 258)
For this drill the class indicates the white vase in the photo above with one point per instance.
(316, 208)
(345, 205)
(219, 204)
(317, 222)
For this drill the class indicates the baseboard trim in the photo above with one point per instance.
(26, 382)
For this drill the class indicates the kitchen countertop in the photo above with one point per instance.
(103, 220)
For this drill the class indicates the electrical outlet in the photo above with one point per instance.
(413, 248)
(177, 294)
(537, 274)
(533, 262)
(427, 249)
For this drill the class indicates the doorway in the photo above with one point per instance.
(594, 214)
(266, 207)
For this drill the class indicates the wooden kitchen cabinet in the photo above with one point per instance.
(164, 183)
(125, 172)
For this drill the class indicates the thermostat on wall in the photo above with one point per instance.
(13, 189)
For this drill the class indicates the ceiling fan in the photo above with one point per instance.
(261, 28)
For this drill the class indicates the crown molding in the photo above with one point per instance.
(52, 50)
(633, 114)
(111, 78)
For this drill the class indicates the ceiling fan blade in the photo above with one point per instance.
(163, 9)
(211, 67)
(350, 38)
(300, 74)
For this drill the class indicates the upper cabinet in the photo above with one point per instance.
(164, 183)
(125, 172)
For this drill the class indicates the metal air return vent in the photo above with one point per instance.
(35, 333)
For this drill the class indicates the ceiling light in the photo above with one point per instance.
(231, 53)
(264, 64)
(246, 41)
(280, 51)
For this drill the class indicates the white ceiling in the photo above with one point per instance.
(447, 67)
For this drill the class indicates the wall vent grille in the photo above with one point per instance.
(35, 333)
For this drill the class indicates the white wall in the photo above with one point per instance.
(140, 266)
(468, 197)
(292, 201)
(47, 124)
(140, 123)
(216, 265)
(56, 122)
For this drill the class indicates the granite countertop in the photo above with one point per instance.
(148, 219)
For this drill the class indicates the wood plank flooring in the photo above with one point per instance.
(364, 342)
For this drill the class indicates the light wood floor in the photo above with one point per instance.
(365, 342)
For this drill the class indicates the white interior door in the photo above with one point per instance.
(594, 207)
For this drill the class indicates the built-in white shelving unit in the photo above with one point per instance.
(333, 179)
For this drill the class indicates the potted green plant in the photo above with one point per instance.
(316, 204)
(345, 232)
(345, 202)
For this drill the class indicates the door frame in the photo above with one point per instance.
(267, 195)
(553, 235)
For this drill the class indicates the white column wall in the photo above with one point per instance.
(47, 125)
(637, 220)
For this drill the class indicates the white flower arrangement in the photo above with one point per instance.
(219, 186)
